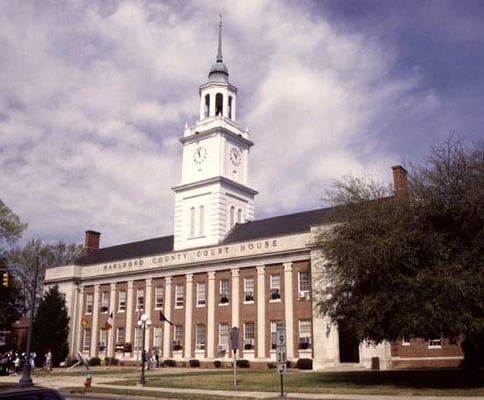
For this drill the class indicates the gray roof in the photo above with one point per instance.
(255, 230)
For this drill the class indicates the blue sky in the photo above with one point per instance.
(94, 96)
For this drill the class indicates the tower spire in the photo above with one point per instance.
(219, 53)
(219, 71)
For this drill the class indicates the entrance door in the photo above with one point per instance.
(348, 345)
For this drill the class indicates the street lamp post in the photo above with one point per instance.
(143, 324)
(26, 379)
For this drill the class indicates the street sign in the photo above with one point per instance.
(281, 368)
(281, 348)
(234, 338)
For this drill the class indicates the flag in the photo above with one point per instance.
(164, 319)
(109, 322)
(84, 321)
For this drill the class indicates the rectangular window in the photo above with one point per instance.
(249, 289)
(104, 306)
(140, 300)
(122, 301)
(305, 334)
(223, 337)
(137, 339)
(303, 285)
(179, 295)
(200, 336)
(201, 292)
(89, 303)
(157, 338)
(275, 286)
(86, 343)
(178, 338)
(435, 344)
(120, 335)
(102, 339)
(159, 292)
(224, 291)
(273, 335)
(249, 336)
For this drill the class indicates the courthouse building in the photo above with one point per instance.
(220, 269)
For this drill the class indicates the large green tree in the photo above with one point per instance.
(51, 326)
(11, 297)
(410, 265)
(11, 227)
(23, 260)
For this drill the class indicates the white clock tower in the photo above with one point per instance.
(213, 194)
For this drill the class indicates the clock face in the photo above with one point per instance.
(235, 156)
(200, 155)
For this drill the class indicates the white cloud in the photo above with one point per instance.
(94, 96)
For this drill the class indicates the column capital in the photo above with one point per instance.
(261, 269)
(113, 286)
(211, 275)
(189, 278)
(168, 280)
(235, 273)
(288, 266)
(130, 284)
(148, 281)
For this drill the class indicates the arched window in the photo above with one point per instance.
(192, 221)
(219, 102)
(239, 215)
(232, 216)
(230, 107)
(201, 220)
(207, 105)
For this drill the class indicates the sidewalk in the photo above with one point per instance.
(60, 383)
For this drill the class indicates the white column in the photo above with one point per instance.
(211, 315)
(148, 310)
(289, 309)
(261, 312)
(78, 342)
(235, 297)
(110, 333)
(95, 325)
(167, 312)
(188, 315)
(129, 314)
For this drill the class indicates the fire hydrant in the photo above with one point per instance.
(88, 381)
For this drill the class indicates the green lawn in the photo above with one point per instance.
(404, 382)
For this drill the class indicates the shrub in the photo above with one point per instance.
(111, 361)
(304, 363)
(94, 361)
(170, 363)
(217, 363)
(194, 363)
(243, 363)
(271, 365)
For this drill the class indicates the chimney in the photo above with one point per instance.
(91, 242)
(400, 182)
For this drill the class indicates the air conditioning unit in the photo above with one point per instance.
(249, 296)
(249, 341)
(221, 348)
(304, 295)
(304, 340)
(275, 294)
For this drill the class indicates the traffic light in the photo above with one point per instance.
(5, 279)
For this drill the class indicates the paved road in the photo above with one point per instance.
(60, 382)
